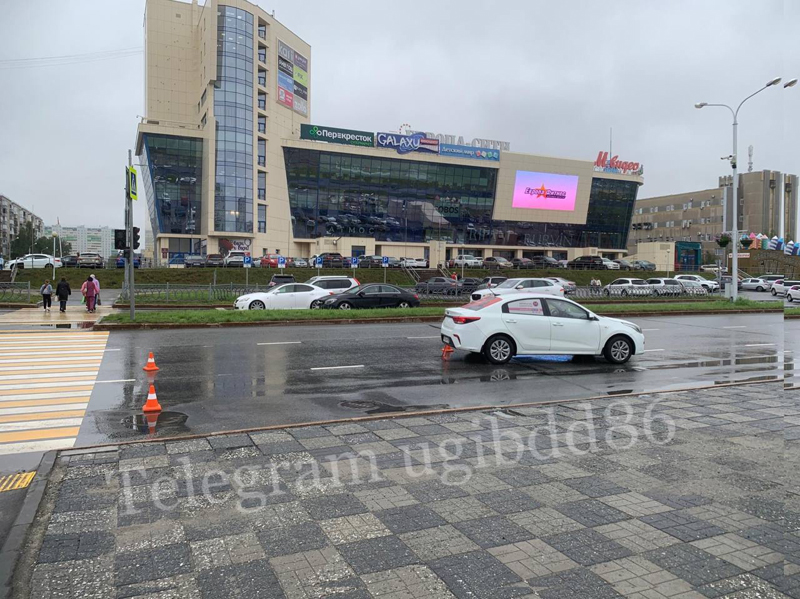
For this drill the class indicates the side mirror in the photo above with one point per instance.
(519, 287)
(360, 294)
(593, 317)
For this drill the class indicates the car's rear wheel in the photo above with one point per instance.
(759, 288)
(403, 305)
(345, 306)
(774, 293)
(625, 292)
(618, 350)
(789, 298)
(499, 349)
(256, 305)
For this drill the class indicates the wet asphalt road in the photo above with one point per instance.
(213, 380)
(791, 347)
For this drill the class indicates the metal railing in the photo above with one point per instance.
(168, 293)
(15, 292)
(577, 293)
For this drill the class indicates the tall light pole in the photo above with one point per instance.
(735, 186)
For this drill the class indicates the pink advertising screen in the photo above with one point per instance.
(545, 191)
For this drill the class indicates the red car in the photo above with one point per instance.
(269, 261)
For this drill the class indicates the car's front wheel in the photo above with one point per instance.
(774, 293)
(316, 304)
(759, 288)
(789, 298)
(499, 349)
(256, 305)
(345, 306)
(618, 350)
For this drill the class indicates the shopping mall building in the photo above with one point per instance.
(230, 159)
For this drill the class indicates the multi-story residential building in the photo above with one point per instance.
(97, 240)
(702, 216)
(229, 160)
(13, 216)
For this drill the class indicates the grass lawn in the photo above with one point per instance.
(792, 311)
(220, 316)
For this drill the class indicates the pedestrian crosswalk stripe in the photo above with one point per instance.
(7, 427)
(35, 370)
(29, 417)
(44, 402)
(50, 433)
(38, 353)
(37, 409)
(68, 360)
(29, 446)
(77, 381)
(41, 396)
(13, 482)
(28, 376)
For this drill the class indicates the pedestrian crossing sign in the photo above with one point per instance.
(132, 183)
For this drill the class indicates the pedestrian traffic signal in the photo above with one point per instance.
(120, 239)
(136, 238)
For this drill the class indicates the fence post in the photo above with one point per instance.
(215, 277)
(210, 293)
(167, 290)
(29, 292)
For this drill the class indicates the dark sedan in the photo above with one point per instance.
(372, 296)
(69, 261)
(215, 260)
(439, 285)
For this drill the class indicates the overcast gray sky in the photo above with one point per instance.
(549, 77)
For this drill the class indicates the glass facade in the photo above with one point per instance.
(172, 171)
(333, 194)
(233, 109)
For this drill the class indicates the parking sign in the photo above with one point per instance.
(318, 262)
(247, 261)
(281, 262)
(385, 261)
(354, 261)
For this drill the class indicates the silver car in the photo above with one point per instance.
(625, 287)
(755, 284)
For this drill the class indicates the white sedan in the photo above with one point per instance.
(543, 286)
(35, 261)
(501, 327)
(414, 262)
(289, 296)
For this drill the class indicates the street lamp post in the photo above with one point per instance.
(54, 255)
(732, 158)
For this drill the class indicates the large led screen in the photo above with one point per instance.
(545, 191)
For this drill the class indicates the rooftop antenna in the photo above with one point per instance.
(750, 159)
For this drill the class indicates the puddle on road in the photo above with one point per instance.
(165, 423)
(369, 406)
(68, 325)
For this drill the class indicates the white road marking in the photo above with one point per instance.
(93, 364)
(27, 446)
(647, 350)
(94, 352)
(426, 337)
(50, 375)
(280, 343)
(37, 409)
(34, 424)
(337, 367)
(650, 330)
(757, 344)
(741, 326)
(55, 342)
(54, 395)
(117, 381)
(87, 383)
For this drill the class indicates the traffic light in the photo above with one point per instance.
(136, 238)
(120, 241)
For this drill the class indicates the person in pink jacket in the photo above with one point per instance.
(89, 289)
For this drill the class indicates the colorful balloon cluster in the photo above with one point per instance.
(763, 242)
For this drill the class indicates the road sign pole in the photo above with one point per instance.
(129, 265)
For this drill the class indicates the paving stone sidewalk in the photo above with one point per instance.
(577, 500)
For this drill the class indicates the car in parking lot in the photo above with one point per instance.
(413, 262)
(726, 280)
(370, 261)
(587, 263)
(373, 295)
(500, 327)
(35, 261)
(624, 264)
(492, 262)
(235, 258)
(770, 279)
(299, 262)
(466, 260)
(215, 260)
(643, 265)
(517, 285)
(439, 285)
(193, 261)
(754, 284)
(610, 264)
(470, 284)
(793, 293)
(781, 286)
(627, 286)
(665, 286)
(710, 285)
(545, 262)
(90, 260)
(330, 260)
(693, 288)
(69, 261)
(332, 284)
(281, 280)
(522, 263)
(267, 261)
(120, 261)
(290, 296)
(569, 286)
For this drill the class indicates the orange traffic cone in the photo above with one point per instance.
(446, 351)
(152, 419)
(152, 405)
(151, 364)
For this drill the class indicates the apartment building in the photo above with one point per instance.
(82, 239)
(13, 216)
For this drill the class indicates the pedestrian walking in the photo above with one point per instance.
(97, 286)
(62, 293)
(89, 291)
(47, 295)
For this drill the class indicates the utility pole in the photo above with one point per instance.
(129, 226)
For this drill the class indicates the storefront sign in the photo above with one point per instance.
(457, 151)
(490, 144)
(300, 90)
(292, 69)
(604, 164)
(407, 143)
(347, 137)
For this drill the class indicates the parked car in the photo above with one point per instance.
(214, 260)
(627, 286)
(513, 286)
(569, 286)
(489, 282)
(235, 258)
(643, 265)
(793, 293)
(120, 261)
(290, 296)
(693, 287)
(665, 286)
(504, 326)
(563, 263)
(754, 284)
(780, 286)
(587, 263)
(193, 261)
(333, 284)
(267, 261)
(710, 285)
(470, 284)
(370, 261)
(394, 262)
(545, 262)
(69, 261)
(712, 268)
(34, 261)
(466, 260)
(91, 260)
(439, 285)
(610, 264)
(372, 296)
(770, 279)
(522, 263)
(300, 262)
(281, 280)
(494, 262)
(330, 260)
(726, 280)
(624, 264)
(414, 262)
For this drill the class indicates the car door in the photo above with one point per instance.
(369, 297)
(301, 295)
(545, 287)
(571, 329)
(389, 297)
(282, 298)
(526, 321)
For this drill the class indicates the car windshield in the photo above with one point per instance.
(508, 284)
